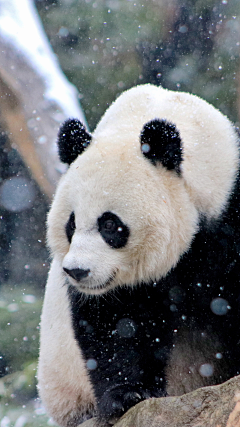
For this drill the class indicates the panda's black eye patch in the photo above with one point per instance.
(70, 227)
(112, 230)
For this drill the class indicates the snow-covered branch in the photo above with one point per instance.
(35, 95)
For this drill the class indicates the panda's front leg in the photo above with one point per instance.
(124, 380)
(116, 400)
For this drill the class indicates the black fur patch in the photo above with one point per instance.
(160, 141)
(112, 230)
(70, 227)
(118, 335)
(73, 139)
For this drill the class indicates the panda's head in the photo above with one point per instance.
(129, 204)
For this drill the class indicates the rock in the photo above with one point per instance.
(215, 406)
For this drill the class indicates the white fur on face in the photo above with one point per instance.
(159, 207)
(152, 202)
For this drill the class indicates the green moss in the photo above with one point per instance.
(19, 327)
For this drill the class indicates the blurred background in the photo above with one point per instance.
(72, 58)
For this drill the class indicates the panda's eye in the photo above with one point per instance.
(70, 227)
(112, 230)
(109, 225)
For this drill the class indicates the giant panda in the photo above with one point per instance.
(143, 295)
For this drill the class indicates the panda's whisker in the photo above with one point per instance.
(112, 293)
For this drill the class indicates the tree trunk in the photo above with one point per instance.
(35, 96)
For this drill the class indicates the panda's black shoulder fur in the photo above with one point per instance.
(149, 316)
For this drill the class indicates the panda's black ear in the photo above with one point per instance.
(72, 140)
(160, 141)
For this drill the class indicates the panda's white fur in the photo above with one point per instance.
(161, 209)
(156, 225)
(63, 380)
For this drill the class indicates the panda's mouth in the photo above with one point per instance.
(99, 288)
(104, 285)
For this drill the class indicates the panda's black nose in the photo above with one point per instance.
(77, 273)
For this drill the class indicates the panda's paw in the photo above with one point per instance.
(117, 400)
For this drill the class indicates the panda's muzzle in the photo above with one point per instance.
(77, 273)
